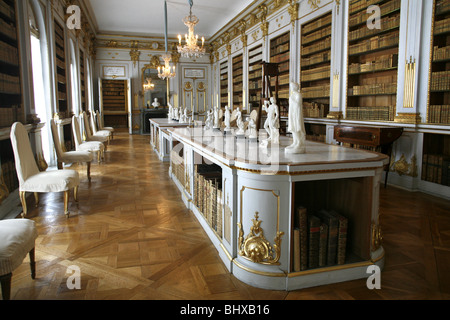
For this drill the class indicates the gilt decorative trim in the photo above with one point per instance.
(256, 248)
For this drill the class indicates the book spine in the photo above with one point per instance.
(323, 245)
(303, 226)
(314, 236)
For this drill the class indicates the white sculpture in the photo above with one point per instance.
(155, 103)
(175, 114)
(170, 113)
(209, 120)
(227, 119)
(216, 118)
(240, 123)
(272, 124)
(251, 131)
(184, 116)
(296, 123)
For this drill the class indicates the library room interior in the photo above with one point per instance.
(212, 150)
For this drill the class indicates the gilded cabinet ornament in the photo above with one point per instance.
(256, 248)
(377, 237)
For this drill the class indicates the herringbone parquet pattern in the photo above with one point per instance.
(132, 238)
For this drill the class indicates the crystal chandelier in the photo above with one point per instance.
(149, 85)
(166, 72)
(191, 48)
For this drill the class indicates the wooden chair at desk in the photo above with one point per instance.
(380, 138)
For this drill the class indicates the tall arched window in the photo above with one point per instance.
(41, 75)
(76, 107)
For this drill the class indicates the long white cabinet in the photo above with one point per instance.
(247, 197)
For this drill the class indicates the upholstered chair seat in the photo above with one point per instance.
(96, 130)
(89, 135)
(29, 176)
(101, 125)
(17, 240)
(80, 145)
(70, 156)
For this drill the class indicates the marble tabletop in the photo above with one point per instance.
(247, 154)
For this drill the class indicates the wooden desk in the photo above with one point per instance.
(381, 138)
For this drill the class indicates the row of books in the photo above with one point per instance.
(377, 113)
(316, 92)
(375, 43)
(208, 195)
(440, 81)
(439, 114)
(280, 58)
(316, 137)
(8, 29)
(9, 115)
(7, 10)
(381, 63)
(283, 79)
(387, 23)
(363, 16)
(315, 74)
(282, 67)
(436, 169)
(315, 110)
(322, 57)
(9, 84)
(8, 170)
(319, 46)
(442, 26)
(441, 53)
(237, 65)
(316, 24)
(280, 40)
(256, 58)
(316, 35)
(378, 88)
(320, 239)
(113, 93)
(442, 6)
(9, 54)
(177, 164)
(279, 49)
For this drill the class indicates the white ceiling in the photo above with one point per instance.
(146, 17)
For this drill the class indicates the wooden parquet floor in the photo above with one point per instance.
(133, 239)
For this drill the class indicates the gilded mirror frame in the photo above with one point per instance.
(154, 64)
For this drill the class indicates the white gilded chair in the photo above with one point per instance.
(17, 240)
(31, 179)
(88, 132)
(70, 156)
(101, 124)
(95, 130)
(80, 145)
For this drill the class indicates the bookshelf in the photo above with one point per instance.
(372, 62)
(314, 244)
(83, 81)
(315, 66)
(61, 70)
(280, 54)
(439, 104)
(254, 77)
(11, 109)
(238, 88)
(436, 159)
(208, 195)
(115, 108)
(224, 84)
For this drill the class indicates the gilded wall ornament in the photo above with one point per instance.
(256, 248)
(377, 237)
(314, 3)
